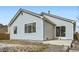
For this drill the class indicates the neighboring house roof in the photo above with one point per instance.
(58, 17)
(29, 12)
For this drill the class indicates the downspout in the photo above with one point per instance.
(74, 28)
(74, 24)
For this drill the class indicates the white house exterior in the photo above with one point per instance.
(27, 25)
(59, 21)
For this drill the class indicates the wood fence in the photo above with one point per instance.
(4, 36)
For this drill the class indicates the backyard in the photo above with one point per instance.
(28, 46)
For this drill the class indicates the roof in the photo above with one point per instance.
(29, 12)
(58, 17)
(46, 19)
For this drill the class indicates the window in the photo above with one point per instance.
(57, 31)
(60, 31)
(25, 28)
(15, 30)
(30, 28)
(34, 27)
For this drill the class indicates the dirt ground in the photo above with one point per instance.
(28, 46)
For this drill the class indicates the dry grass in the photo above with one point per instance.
(29, 46)
(23, 42)
(26, 46)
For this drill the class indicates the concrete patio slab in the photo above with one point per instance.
(59, 42)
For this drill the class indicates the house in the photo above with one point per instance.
(27, 25)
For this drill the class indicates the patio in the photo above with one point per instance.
(59, 42)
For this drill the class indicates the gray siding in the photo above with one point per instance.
(48, 30)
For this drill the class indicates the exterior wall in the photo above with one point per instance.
(69, 27)
(48, 30)
(20, 22)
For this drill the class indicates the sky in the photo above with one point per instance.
(70, 12)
